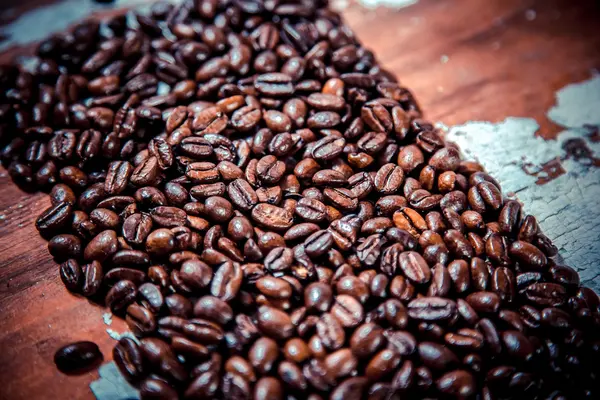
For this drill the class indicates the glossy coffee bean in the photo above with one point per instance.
(77, 357)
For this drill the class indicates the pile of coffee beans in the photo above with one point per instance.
(265, 206)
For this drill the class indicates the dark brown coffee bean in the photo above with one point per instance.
(62, 193)
(276, 288)
(388, 179)
(71, 275)
(128, 358)
(347, 310)
(528, 255)
(311, 210)
(274, 323)
(227, 281)
(432, 309)
(274, 85)
(54, 218)
(214, 309)
(136, 228)
(484, 302)
(382, 364)
(262, 354)
(458, 383)
(64, 246)
(546, 294)
(341, 198)
(120, 296)
(140, 320)
(102, 246)
(414, 267)
(77, 357)
(160, 242)
(153, 388)
(272, 217)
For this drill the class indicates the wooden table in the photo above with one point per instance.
(464, 59)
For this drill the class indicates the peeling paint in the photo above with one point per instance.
(107, 318)
(557, 181)
(112, 385)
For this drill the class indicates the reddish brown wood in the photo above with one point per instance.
(499, 64)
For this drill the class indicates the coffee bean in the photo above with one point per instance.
(311, 210)
(64, 246)
(529, 255)
(120, 296)
(484, 302)
(432, 309)
(382, 364)
(92, 278)
(71, 275)
(272, 217)
(347, 310)
(227, 281)
(274, 323)
(140, 320)
(54, 218)
(414, 267)
(388, 179)
(77, 357)
(102, 246)
(117, 177)
(128, 358)
(263, 354)
(457, 383)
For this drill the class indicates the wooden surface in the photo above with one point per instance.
(464, 60)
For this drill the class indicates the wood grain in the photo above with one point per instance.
(499, 63)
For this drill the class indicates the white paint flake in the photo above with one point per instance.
(118, 336)
(107, 318)
(112, 385)
(578, 104)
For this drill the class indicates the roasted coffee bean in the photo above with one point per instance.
(528, 255)
(432, 309)
(128, 357)
(347, 310)
(311, 210)
(140, 320)
(64, 246)
(117, 177)
(414, 267)
(263, 354)
(120, 296)
(101, 247)
(77, 357)
(92, 278)
(54, 218)
(272, 217)
(388, 179)
(274, 323)
(71, 275)
(458, 383)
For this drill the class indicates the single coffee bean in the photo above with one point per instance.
(128, 357)
(71, 275)
(77, 357)
(432, 309)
